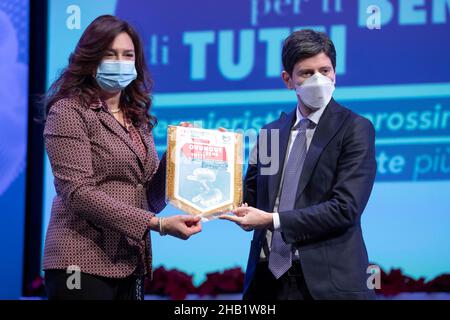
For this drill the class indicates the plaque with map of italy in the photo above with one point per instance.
(204, 170)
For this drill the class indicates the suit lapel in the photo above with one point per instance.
(285, 131)
(330, 122)
(145, 140)
(111, 123)
(149, 165)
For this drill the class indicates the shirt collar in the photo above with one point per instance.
(313, 116)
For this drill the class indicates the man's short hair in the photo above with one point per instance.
(304, 44)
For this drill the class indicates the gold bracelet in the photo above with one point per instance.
(161, 227)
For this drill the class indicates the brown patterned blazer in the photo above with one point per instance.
(107, 192)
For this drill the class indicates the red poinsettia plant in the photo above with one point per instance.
(173, 283)
(229, 281)
(177, 284)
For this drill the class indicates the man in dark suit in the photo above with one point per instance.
(306, 204)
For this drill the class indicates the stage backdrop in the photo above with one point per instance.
(219, 62)
(13, 142)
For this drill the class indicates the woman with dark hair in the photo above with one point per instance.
(108, 178)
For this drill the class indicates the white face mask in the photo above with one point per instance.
(316, 91)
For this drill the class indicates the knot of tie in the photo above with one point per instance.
(303, 124)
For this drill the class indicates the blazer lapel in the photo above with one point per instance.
(111, 123)
(145, 139)
(330, 122)
(285, 131)
(149, 165)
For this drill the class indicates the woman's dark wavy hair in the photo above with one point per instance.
(77, 79)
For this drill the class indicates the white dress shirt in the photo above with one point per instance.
(314, 117)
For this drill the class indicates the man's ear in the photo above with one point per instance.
(287, 80)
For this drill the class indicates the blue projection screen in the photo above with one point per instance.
(218, 63)
(14, 23)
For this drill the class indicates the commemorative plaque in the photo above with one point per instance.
(204, 170)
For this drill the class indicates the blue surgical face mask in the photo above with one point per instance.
(115, 75)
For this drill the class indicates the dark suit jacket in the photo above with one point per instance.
(107, 192)
(334, 187)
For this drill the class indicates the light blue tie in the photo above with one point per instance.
(280, 258)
